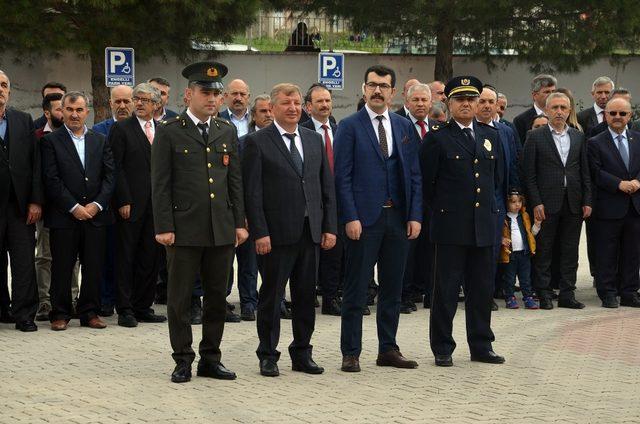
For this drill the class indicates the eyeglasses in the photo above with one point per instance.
(615, 113)
(142, 100)
(373, 85)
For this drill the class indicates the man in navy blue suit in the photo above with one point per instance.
(378, 188)
(614, 159)
(121, 103)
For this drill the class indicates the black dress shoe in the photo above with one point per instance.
(632, 301)
(285, 311)
(181, 373)
(127, 320)
(570, 303)
(489, 357)
(405, 307)
(444, 360)
(149, 316)
(196, 311)
(269, 368)
(247, 313)
(426, 303)
(231, 316)
(366, 311)
(416, 298)
(610, 302)
(26, 326)
(494, 305)
(546, 303)
(106, 311)
(330, 306)
(306, 365)
(215, 370)
(43, 312)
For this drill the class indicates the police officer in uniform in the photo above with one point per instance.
(461, 169)
(199, 217)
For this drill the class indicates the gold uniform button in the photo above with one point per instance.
(492, 157)
(209, 165)
(477, 175)
(475, 161)
(478, 190)
(211, 181)
(86, 178)
(212, 195)
(208, 149)
(477, 205)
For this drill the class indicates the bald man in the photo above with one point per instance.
(121, 103)
(404, 110)
(236, 97)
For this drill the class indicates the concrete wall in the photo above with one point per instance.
(263, 70)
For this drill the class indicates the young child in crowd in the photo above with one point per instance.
(518, 245)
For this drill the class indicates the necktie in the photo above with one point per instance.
(624, 153)
(295, 154)
(382, 135)
(205, 134)
(471, 142)
(147, 131)
(423, 128)
(327, 146)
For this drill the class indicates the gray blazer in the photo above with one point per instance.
(544, 172)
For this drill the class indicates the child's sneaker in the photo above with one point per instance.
(530, 303)
(512, 303)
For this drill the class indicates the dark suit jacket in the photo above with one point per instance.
(67, 182)
(360, 170)
(608, 169)
(544, 172)
(40, 122)
(594, 131)
(459, 184)
(587, 119)
(277, 197)
(511, 152)
(523, 121)
(401, 112)
(515, 131)
(104, 126)
(196, 186)
(132, 156)
(168, 114)
(21, 169)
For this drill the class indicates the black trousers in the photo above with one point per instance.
(566, 226)
(184, 263)
(296, 263)
(137, 261)
(19, 240)
(330, 269)
(473, 265)
(88, 242)
(618, 258)
(418, 274)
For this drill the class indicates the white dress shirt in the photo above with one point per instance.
(462, 127)
(563, 144)
(599, 112)
(286, 140)
(538, 110)
(78, 142)
(418, 127)
(318, 126)
(242, 123)
(197, 120)
(517, 243)
(386, 124)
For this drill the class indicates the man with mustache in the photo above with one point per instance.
(121, 103)
(614, 157)
(558, 183)
(378, 189)
(21, 197)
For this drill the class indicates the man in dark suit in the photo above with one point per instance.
(121, 103)
(462, 170)
(614, 157)
(21, 198)
(502, 107)
(556, 176)
(137, 253)
(290, 211)
(49, 88)
(164, 87)
(236, 96)
(404, 110)
(79, 179)
(541, 87)
(319, 104)
(600, 91)
(418, 272)
(378, 190)
(198, 212)
(621, 93)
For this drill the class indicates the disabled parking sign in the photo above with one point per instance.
(119, 66)
(331, 70)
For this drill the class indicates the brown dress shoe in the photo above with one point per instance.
(94, 322)
(59, 325)
(394, 358)
(350, 364)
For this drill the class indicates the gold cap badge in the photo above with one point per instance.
(212, 72)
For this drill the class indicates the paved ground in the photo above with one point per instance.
(562, 366)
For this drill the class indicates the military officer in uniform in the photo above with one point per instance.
(461, 169)
(199, 217)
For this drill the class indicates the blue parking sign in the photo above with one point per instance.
(119, 66)
(331, 70)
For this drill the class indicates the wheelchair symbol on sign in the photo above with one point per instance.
(126, 68)
(337, 73)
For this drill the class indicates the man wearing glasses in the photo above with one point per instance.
(614, 158)
(378, 191)
(136, 249)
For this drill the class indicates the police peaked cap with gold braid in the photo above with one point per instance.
(464, 86)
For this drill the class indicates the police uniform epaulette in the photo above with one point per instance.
(170, 120)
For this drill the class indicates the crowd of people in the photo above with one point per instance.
(444, 196)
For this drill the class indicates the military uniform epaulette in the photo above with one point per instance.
(170, 121)
(224, 121)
